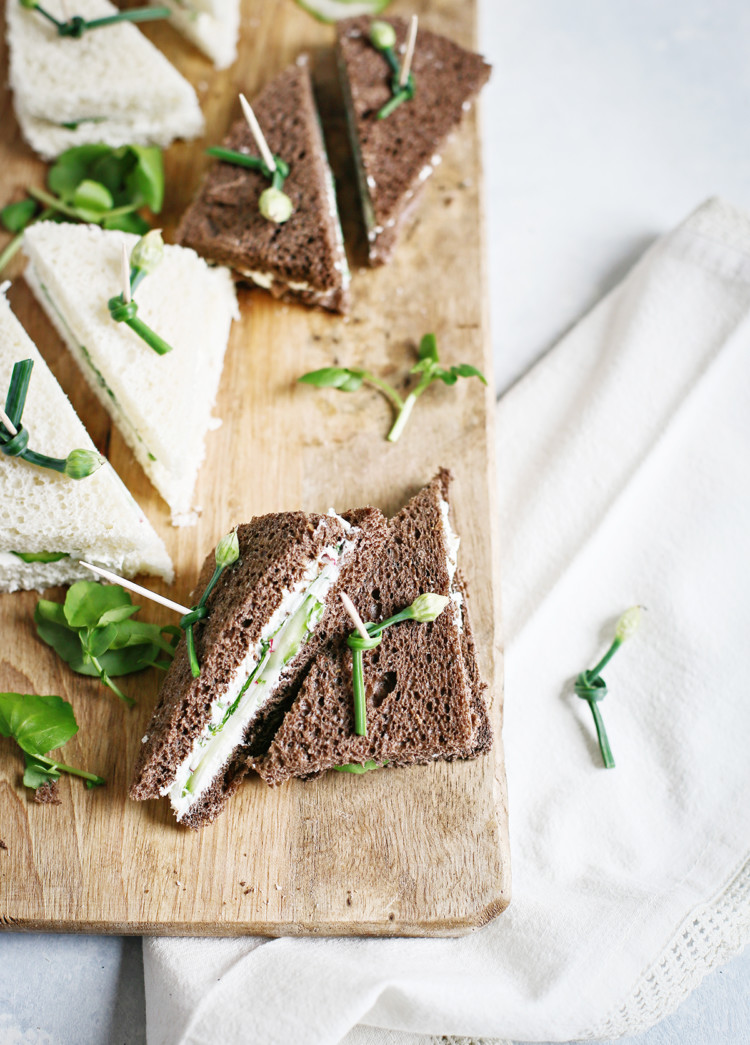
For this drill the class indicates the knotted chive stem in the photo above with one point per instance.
(146, 256)
(425, 608)
(76, 26)
(227, 553)
(383, 38)
(591, 687)
(14, 438)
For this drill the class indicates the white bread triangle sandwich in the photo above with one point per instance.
(111, 85)
(212, 25)
(46, 515)
(160, 403)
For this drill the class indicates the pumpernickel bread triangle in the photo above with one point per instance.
(268, 616)
(303, 258)
(423, 690)
(396, 155)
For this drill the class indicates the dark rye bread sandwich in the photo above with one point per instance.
(302, 259)
(424, 694)
(395, 156)
(269, 614)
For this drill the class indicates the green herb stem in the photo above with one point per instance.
(358, 685)
(601, 732)
(61, 767)
(107, 681)
(408, 405)
(14, 246)
(152, 339)
(140, 14)
(239, 159)
(598, 668)
(388, 390)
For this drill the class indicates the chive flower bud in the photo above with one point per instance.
(275, 205)
(382, 35)
(29, 4)
(628, 623)
(81, 463)
(148, 252)
(427, 607)
(228, 550)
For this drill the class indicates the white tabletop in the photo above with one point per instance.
(605, 124)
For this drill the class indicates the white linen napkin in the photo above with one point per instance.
(624, 478)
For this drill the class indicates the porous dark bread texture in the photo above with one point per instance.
(274, 552)
(481, 738)
(422, 704)
(392, 153)
(224, 225)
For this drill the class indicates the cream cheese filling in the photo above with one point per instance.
(452, 542)
(256, 677)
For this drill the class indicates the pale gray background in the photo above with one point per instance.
(606, 121)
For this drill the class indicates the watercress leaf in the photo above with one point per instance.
(16, 216)
(112, 169)
(129, 659)
(446, 376)
(96, 641)
(72, 167)
(127, 223)
(92, 197)
(424, 366)
(37, 724)
(147, 178)
(466, 370)
(118, 614)
(334, 377)
(87, 601)
(428, 348)
(37, 773)
(53, 628)
(135, 632)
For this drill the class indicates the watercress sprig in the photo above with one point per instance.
(14, 438)
(40, 725)
(96, 184)
(591, 687)
(428, 366)
(227, 552)
(425, 608)
(146, 256)
(76, 26)
(94, 634)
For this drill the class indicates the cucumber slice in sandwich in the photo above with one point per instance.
(333, 10)
(93, 518)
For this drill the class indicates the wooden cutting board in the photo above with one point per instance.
(420, 851)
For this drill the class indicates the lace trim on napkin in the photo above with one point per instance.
(709, 937)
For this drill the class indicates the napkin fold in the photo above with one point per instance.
(623, 477)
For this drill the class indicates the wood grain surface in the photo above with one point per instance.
(420, 851)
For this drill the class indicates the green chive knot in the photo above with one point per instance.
(16, 445)
(120, 311)
(357, 643)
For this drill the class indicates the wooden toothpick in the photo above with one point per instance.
(356, 619)
(125, 275)
(7, 422)
(411, 41)
(101, 572)
(257, 133)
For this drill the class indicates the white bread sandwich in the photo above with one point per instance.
(212, 25)
(48, 521)
(111, 85)
(161, 403)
